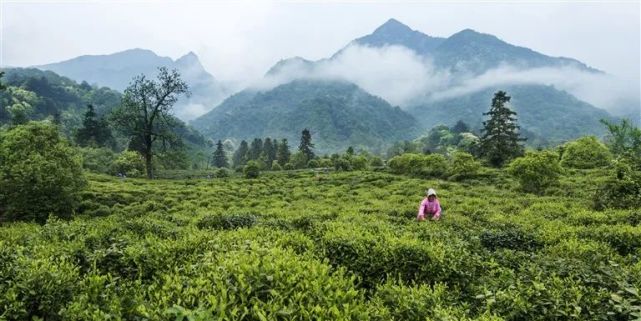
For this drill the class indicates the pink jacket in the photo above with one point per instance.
(431, 208)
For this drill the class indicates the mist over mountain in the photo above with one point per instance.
(397, 56)
(443, 80)
(117, 70)
(433, 80)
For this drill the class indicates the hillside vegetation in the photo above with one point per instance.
(339, 115)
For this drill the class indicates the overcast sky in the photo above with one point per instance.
(238, 41)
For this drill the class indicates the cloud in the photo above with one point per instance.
(403, 78)
(615, 94)
(189, 110)
(393, 73)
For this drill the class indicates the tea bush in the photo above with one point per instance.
(301, 245)
(40, 174)
(464, 166)
(433, 165)
(128, 163)
(585, 152)
(251, 170)
(536, 171)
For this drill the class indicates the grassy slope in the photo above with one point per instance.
(335, 246)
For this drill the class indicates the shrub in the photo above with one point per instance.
(40, 174)
(129, 163)
(221, 173)
(376, 162)
(313, 164)
(536, 171)
(276, 166)
(97, 159)
(464, 166)
(433, 165)
(342, 164)
(262, 284)
(509, 238)
(227, 222)
(622, 191)
(584, 153)
(251, 170)
(325, 163)
(418, 302)
(298, 160)
(289, 167)
(359, 163)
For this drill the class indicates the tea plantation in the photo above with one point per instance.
(325, 246)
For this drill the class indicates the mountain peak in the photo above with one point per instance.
(392, 26)
(393, 32)
(188, 59)
(135, 52)
(470, 34)
(297, 64)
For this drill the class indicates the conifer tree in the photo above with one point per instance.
(94, 131)
(350, 151)
(240, 156)
(500, 140)
(219, 157)
(255, 149)
(460, 127)
(2, 87)
(306, 145)
(283, 153)
(269, 151)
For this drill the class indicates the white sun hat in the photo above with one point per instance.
(431, 191)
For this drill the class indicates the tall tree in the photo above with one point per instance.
(306, 146)
(240, 156)
(145, 111)
(269, 152)
(460, 127)
(255, 149)
(283, 153)
(94, 131)
(350, 151)
(623, 138)
(219, 158)
(500, 140)
(2, 87)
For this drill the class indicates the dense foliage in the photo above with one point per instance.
(464, 166)
(585, 152)
(547, 115)
(432, 165)
(32, 94)
(342, 246)
(35, 95)
(536, 171)
(339, 115)
(40, 174)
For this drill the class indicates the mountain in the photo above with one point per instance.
(117, 70)
(462, 57)
(544, 111)
(338, 114)
(393, 32)
(46, 94)
(291, 65)
(471, 51)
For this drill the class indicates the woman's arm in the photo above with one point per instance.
(437, 215)
(421, 210)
